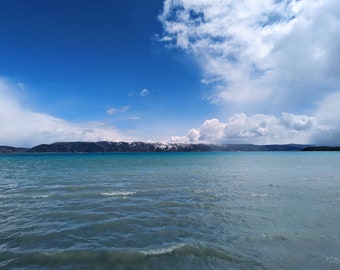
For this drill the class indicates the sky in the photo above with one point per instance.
(184, 71)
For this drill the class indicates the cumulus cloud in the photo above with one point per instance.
(297, 122)
(257, 128)
(113, 110)
(251, 51)
(20, 126)
(144, 92)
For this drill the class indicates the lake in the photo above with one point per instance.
(216, 210)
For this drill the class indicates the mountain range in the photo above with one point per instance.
(105, 146)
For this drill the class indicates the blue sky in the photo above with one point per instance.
(177, 71)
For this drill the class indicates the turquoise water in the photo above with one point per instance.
(246, 210)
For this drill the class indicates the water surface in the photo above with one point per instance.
(233, 210)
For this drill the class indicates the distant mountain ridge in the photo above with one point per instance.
(106, 147)
(10, 149)
(322, 148)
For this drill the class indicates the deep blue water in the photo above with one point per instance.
(245, 210)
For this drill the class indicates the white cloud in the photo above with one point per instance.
(113, 110)
(144, 92)
(266, 52)
(20, 126)
(134, 118)
(258, 129)
(212, 131)
(297, 122)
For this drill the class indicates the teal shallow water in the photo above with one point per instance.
(259, 210)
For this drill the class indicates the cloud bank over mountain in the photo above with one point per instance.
(21, 126)
(258, 129)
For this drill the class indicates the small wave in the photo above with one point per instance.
(259, 195)
(160, 251)
(41, 196)
(118, 193)
(202, 254)
(332, 258)
(171, 257)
